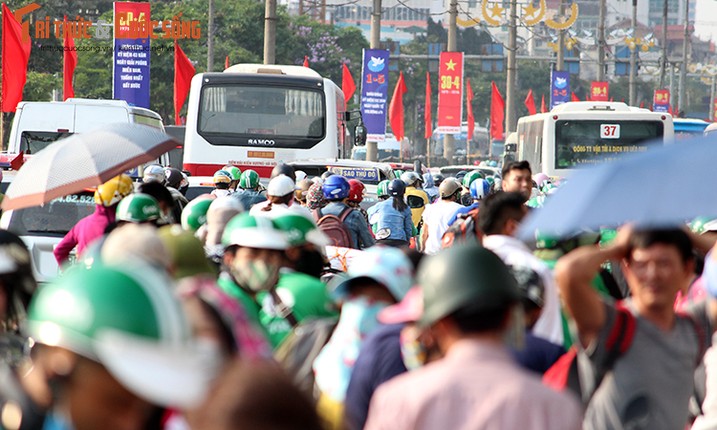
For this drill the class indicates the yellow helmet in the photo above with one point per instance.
(114, 190)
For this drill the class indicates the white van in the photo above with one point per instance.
(38, 124)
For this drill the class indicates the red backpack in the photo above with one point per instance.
(571, 373)
(333, 226)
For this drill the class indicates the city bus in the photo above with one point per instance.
(575, 134)
(256, 116)
(479, 145)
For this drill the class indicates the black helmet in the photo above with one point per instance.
(397, 188)
(326, 174)
(173, 177)
(16, 278)
(283, 169)
(438, 178)
(461, 174)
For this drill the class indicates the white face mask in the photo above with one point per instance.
(256, 275)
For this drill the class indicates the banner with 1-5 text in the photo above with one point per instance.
(450, 92)
(559, 88)
(374, 93)
(130, 74)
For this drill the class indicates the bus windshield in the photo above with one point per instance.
(579, 142)
(261, 112)
(33, 141)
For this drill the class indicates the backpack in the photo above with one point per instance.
(333, 226)
(574, 371)
(464, 229)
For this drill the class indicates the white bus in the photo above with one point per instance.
(255, 116)
(580, 133)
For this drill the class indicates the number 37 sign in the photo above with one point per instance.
(609, 131)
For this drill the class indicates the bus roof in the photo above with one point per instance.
(273, 69)
(590, 106)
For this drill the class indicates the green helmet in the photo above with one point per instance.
(607, 235)
(470, 177)
(233, 171)
(194, 215)
(254, 232)
(249, 180)
(127, 319)
(382, 188)
(698, 224)
(490, 180)
(546, 241)
(300, 230)
(463, 275)
(138, 208)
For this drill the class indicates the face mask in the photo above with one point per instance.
(311, 263)
(413, 352)
(256, 275)
(362, 314)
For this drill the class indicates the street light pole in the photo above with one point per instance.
(560, 63)
(601, 42)
(633, 59)
(448, 140)
(663, 66)
(681, 102)
(511, 117)
(270, 32)
(374, 43)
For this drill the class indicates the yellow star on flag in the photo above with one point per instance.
(496, 11)
(530, 10)
(450, 65)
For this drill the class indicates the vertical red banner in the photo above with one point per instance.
(599, 91)
(450, 92)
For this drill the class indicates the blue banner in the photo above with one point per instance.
(559, 88)
(374, 93)
(130, 74)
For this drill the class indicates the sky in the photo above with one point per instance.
(706, 19)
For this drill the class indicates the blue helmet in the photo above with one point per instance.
(480, 189)
(397, 188)
(336, 188)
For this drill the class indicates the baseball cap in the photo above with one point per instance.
(407, 310)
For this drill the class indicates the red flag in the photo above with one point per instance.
(497, 113)
(15, 55)
(469, 110)
(348, 86)
(183, 73)
(395, 109)
(542, 103)
(226, 62)
(530, 103)
(428, 132)
(642, 104)
(573, 97)
(69, 61)
(306, 61)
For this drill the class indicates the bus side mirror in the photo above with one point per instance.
(511, 147)
(360, 134)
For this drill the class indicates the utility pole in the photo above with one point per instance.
(712, 98)
(375, 43)
(601, 42)
(560, 63)
(511, 114)
(681, 102)
(663, 66)
(633, 59)
(270, 32)
(210, 37)
(448, 140)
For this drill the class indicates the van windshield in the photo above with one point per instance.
(33, 141)
(55, 218)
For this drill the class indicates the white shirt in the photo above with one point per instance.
(435, 218)
(513, 252)
(279, 209)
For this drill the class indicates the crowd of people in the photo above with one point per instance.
(295, 305)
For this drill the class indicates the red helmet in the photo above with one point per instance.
(356, 189)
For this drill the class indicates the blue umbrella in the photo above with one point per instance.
(664, 186)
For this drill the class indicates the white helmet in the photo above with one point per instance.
(154, 173)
